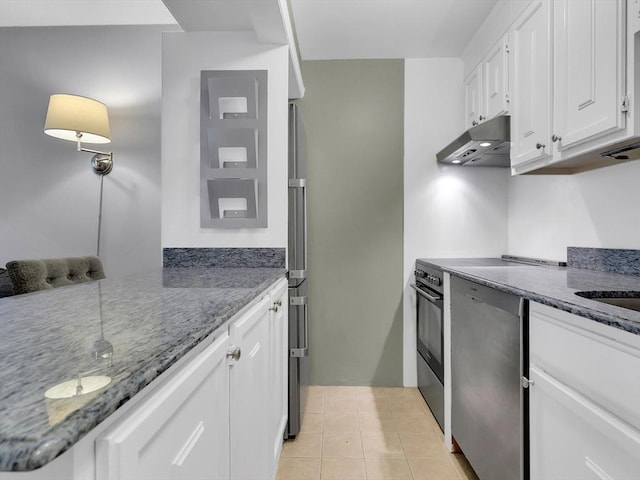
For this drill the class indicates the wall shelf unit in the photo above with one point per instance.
(233, 149)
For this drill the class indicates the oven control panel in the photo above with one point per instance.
(432, 280)
(429, 276)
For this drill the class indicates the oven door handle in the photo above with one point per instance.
(426, 295)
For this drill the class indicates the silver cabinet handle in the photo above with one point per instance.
(474, 123)
(540, 146)
(482, 118)
(278, 302)
(556, 138)
(234, 353)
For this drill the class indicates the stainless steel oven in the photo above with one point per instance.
(430, 339)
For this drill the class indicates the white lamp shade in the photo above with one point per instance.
(68, 115)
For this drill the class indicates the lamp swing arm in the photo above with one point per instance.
(101, 162)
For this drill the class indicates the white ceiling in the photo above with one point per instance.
(335, 29)
(326, 29)
(36, 13)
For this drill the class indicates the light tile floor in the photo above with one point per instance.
(369, 433)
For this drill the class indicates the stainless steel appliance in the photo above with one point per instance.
(430, 339)
(297, 262)
(485, 145)
(489, 357)
(429, 322)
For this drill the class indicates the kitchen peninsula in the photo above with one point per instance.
(157, 323)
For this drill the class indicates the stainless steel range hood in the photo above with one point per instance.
(485, 145)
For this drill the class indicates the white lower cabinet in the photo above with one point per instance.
(220, 416)
(279, 391)
(180, 432)
(250, 383)
(573, 438)
(584, 398)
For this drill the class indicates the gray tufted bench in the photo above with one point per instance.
(34, 275)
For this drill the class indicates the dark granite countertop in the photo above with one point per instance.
(554, 286)
(152, 320)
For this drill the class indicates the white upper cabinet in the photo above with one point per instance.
(569, 81)
(531, 119)
(486, 88)
(473, 98)
(495, 69)
(588, 57)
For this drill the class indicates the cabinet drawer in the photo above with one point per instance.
(572, 438)
(601, 362)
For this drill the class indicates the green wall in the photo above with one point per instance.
(353, 112)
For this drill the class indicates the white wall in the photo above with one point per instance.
(184, 56)
(599, 208)
(448, 211)
(48, 192)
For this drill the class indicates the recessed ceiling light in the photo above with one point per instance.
(485, 144)
(456, 161)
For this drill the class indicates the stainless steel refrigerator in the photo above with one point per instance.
(298, 273)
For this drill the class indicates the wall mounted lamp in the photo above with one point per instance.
(81, 119)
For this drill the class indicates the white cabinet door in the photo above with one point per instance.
(181, 432)
(249, 395)
(473, 98)
(531, 118)
(572, 438)
(588, 69)
(495, 67)
(584, 399)
(279, 335)
(633, 14)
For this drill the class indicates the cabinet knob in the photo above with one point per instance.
(482, 118)
(474, 123)
(556, 138)
(540, 146)
(526, 383)
(276, 306)
(234, 353)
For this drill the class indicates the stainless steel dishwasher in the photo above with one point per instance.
(489, 357)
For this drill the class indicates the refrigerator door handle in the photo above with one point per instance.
(297, 182)
(302, 184)
(304, 351)
(297, 274)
